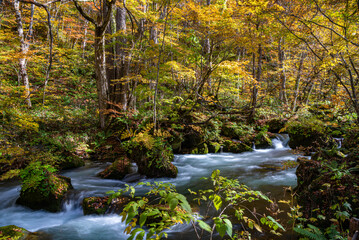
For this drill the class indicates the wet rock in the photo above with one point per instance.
(236, 147)
(268, 168)
(155, 162)
(262, 140)
(72, 161)
(308, 133)
(48, 195)
(117, 170)
(13, 232)
(102, 205)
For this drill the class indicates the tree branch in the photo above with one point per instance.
(85, 15)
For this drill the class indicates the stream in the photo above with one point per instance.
(260, 170)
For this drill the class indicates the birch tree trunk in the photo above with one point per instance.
(24, 48)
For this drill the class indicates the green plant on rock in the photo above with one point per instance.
(35, 176)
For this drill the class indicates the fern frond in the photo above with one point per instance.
(316, 235)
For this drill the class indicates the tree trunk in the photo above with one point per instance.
(123, 58)
(101, 78)
(24, 47)
(257, 73)
(297, 80)
(283, 78)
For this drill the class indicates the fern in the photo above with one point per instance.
(311, 232)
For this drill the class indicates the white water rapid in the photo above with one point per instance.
(260, 169)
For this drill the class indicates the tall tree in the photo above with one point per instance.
(24, 48)
(100, 21)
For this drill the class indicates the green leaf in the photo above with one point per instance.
(276, 223)
(217, 201)
(221, 228)
(134, 232)
(204, 226)
(186, 206)
(130, 215)
(229, 226)
(173, 203)
(143, 219)
(141, 235)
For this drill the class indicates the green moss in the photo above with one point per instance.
(236, 147)
(201, 149)
(13, 232)
(214, 147)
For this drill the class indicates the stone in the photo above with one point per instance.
(117, 170)
(48, 195)
(101, 205)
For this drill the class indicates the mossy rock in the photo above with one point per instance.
(101, 205)
(12, 232)
(308, 133)
(117, 170)
(201, 149)
(262, 140)
(214, 147)
(48, 195)
(155, 162)
(236, 147)
(71, 161)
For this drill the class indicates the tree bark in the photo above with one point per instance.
(257, 73)
(101, 24)
(24, 48)
(283, 78)
(297, 80)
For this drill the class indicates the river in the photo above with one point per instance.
(260, 169)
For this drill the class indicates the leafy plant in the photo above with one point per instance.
(35, 176)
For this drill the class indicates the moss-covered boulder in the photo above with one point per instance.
(13, 232)
(117, 170)
(235, 130)
(42, 188)
(262, 140)
(102, 205)
(71, 161)
(153, 157)
(235, 146)
(308, 133)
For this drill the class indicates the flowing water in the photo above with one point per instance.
(260, 169)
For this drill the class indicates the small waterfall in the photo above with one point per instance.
(221, 149)
(73, 201)
(281, 141)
